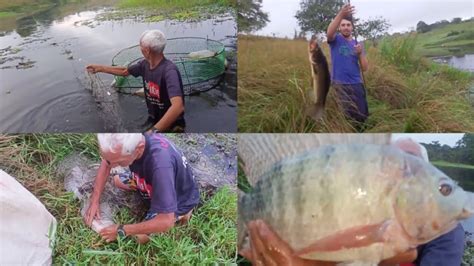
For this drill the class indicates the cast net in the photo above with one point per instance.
(201, 62)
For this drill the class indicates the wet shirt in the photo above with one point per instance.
(160, 84)
(163, 174)
(345, 62)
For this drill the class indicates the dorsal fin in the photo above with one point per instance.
(260, 151)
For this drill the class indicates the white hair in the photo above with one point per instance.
(154, 39)
(111, 142)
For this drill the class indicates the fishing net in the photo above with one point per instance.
(200, 61)
(107, 102)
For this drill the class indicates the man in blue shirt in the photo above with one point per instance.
(348, 57)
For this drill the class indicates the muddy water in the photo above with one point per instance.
(43, 85)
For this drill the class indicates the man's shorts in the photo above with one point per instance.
(352, 98)
(129, 180)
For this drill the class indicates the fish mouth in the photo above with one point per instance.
(468, 209)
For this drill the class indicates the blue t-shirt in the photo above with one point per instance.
(163, 173)
(160, 85)
(447, 249)
(345, 62)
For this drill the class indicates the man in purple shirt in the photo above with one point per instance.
(162, 83)
(348, 57)
(158, 171)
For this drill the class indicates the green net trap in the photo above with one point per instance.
(200, 61)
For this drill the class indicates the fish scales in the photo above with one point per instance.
(300, 193)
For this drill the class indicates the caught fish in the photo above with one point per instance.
(201, 54)
(320, 78)
(349, 202)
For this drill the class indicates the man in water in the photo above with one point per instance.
(162, 83)
(157, 170)
(348, 57)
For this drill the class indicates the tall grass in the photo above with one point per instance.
(405, 93)
(210, 236)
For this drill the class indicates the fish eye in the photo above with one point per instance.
(445, 189)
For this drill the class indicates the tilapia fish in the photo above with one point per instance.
(352, 202)
(320, 79)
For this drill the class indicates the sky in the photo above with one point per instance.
(401, 14)
(448, 139)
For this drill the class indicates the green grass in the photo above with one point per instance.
(452, 39)
(210, 236)
(457, 165)
(406, 93)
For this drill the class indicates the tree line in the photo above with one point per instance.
(462, 152)
(422, 27)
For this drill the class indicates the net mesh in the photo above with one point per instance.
(200, 61)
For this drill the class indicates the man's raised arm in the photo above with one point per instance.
(346, 11)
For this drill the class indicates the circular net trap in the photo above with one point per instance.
(200, 61)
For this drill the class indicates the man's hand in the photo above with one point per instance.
(358, 49)
(347, 11)
(92, 212)
(94, 68)
(109, 233)
(266, 248)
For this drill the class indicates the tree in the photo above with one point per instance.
(456, 20)
(373, 29)
(250, 17)
(422, 27)
(315, 15)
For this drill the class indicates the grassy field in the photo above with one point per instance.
(210, 237)
(452, 39)
(406, 93)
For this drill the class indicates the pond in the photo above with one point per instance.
(44, 85)
(465, 177)
(465, 62)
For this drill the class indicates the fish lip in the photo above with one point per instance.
(468, 209)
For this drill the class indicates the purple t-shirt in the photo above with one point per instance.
(160, 84)
(163, 173)
(345, 63)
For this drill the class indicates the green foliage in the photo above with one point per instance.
(316, 15)
(250, 16)
(175, 4)
(373, 29)
(462, 152)
(400, 52)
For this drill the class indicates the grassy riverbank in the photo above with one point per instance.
(452, 39)
(406, 93)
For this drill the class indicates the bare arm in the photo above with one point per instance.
(161, 223)
(114, 70)
(345, 11)
(176, 108)
(99, 184)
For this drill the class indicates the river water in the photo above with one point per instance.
(43, 85)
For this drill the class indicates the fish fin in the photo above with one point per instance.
(259, 152)
(355, 237)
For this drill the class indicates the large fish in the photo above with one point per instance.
(348, 203)
(320, 78)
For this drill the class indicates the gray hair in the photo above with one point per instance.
(109, 142)
(154, 39)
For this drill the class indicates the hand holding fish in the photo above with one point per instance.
(92, 212)
(278, 252)
(266, 248)
(109, 233)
